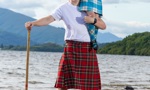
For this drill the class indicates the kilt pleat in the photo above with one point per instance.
(78, 67)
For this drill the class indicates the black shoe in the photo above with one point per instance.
(94, 45)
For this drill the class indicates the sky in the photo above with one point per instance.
(122, 17)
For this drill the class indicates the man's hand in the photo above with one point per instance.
(29, 25)
(99, 22)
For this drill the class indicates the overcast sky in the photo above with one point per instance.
(123, 17)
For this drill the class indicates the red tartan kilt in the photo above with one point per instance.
(78, 67)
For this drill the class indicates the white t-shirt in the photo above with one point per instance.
(75, 28)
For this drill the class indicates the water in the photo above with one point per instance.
(117, 71)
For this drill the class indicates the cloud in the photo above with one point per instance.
(111, 1)
(30, 7)
(142, 0)
(19, 4)
(15, 4)
(124, 1)
(124, 29)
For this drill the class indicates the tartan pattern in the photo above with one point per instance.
(93, 31)
(91, 5)
(78, 67)
(95, 6)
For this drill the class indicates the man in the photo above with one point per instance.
(78, 67)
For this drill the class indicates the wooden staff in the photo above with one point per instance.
(27, 60)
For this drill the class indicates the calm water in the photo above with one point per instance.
(117, 71)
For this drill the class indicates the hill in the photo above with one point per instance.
(7, 38)
(13, 23)
(136, 44)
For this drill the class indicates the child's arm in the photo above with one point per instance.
(99, 22)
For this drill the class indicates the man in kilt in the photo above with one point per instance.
(78, 67)
(93, 8)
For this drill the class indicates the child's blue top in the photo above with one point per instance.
(91, 5)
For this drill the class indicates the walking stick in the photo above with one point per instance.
(27, 61)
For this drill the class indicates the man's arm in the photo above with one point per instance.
(40, 22)
(99, 22)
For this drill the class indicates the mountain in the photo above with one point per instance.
(107, 38)
(12, 24)
(136, 44)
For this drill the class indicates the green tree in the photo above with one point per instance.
(136, 44)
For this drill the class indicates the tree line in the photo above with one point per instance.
(46, 47)
(136, 44)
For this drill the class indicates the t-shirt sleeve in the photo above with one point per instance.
(57, 14)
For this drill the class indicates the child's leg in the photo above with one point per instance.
(93, 31)
(91, 13)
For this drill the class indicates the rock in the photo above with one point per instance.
(129, 88)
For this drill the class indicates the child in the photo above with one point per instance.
(92, 8)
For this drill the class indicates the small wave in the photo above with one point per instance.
(10, 73)
(35, 82)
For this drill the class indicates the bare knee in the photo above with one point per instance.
(91, 13)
